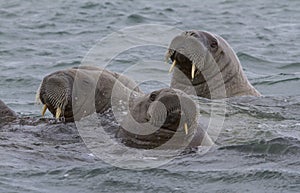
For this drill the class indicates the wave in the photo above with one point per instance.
(61, 64)
(244, 56)
(90, 5)
(277, 78)
(267, 64)
(277, 146)
(18, 81)
(291, 66)
(136, 18)
(269, 76)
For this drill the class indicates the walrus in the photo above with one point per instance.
(206, 65)
(163, 117)
(6, 114)
(74, 93)
(152, 119)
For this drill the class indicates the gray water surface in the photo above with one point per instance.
(258, 149)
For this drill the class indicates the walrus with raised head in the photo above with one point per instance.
(206, 65)
(151, 120)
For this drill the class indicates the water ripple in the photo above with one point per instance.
(279, 146)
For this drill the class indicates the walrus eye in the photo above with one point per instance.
(214, 44)
(152, 96)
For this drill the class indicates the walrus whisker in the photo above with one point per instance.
(169, 53)
(172, 110)
(57, 101)
(158, 119)
(197, 60)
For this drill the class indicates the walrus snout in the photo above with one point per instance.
(181, 59)
(172, 109)
(187, 53)
(55, 93)
(184, 64)
(164, 115)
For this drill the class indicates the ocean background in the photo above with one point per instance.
(258, 149)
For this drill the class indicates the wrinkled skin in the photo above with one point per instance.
(217, 71)
(153, 119)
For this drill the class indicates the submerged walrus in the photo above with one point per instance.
(6, 114)
(152, 119)
(206, 65)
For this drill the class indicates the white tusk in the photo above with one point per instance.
(58, 112)
(44, 110)
(173, 65)
(193, 71)
(186, 129)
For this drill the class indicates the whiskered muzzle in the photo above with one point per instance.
(55, 93)
(169, 113)
(187, 53)
(56, 102)
(162, 116)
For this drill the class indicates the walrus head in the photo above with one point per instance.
(72, 94)
(191, 50)
(207, 66)
(158, 117)
(55, 93)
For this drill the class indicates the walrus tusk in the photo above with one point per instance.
(193, 70)
(58, 112)
(173, 65)
(186, 129)
(44, 110)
